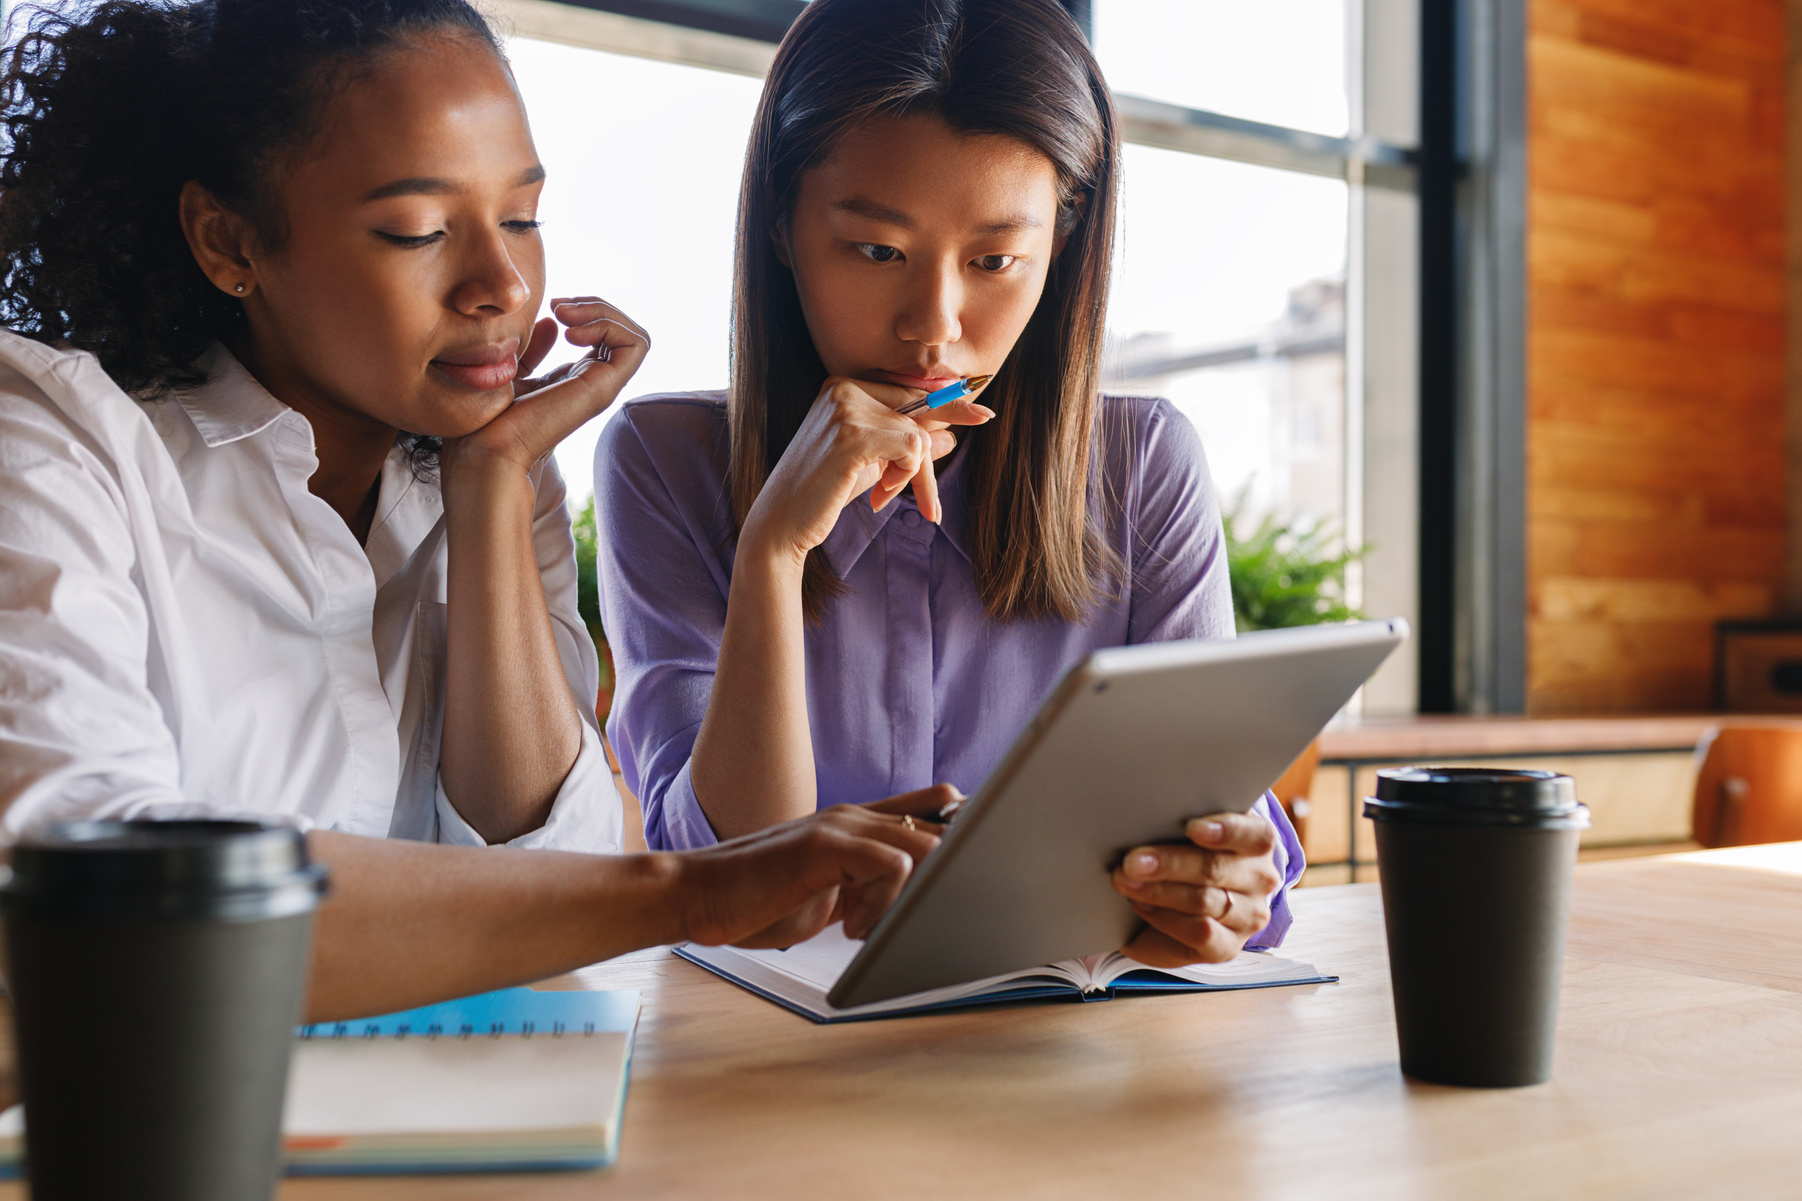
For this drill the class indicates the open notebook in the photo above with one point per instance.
(800, 977)
(505, 1081)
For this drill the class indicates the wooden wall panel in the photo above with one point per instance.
(1656, 318)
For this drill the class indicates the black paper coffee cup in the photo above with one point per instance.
(1476, 875)
(158, 970)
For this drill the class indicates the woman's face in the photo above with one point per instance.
(406, 287)
(920, 252)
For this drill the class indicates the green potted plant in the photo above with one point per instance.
(1286, 573)
(588, 601)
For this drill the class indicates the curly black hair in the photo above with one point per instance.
(107, 107)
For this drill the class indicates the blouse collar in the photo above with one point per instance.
(230, 405)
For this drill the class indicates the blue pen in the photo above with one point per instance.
(945, 395)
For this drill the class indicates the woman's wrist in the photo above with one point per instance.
(781, 559)
(479, 483)
(463, 463)
(656, 884)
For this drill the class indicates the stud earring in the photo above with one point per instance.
(239, 289)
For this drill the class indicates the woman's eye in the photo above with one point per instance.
(410, 241)
(995, 262)
(521, 227)
(878, 254)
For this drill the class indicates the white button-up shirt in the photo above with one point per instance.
(186, 630)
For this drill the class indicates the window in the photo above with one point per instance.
(1281, 62)
(1229, 300)
(1266, 280)
(643, 161)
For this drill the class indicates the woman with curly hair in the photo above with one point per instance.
(279, 530)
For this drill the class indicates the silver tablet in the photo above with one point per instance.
(1130, 743)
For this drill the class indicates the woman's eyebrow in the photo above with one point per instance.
(1008, 225)
(425, 185)
(861, 207)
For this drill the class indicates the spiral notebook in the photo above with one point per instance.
(508, 1081)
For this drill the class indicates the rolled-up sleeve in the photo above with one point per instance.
(1289, 865)
(663, 588)
(585, 816)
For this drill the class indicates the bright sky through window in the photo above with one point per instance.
(644, 159)
(1277, 61)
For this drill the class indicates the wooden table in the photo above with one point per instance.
(1679, 1075)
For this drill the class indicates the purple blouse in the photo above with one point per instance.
(909, 683)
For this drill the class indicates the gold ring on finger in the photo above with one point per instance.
(908, 821)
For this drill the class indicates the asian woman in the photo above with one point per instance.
(815, 599)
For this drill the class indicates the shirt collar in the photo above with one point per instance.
(230, 405)
(858, 525)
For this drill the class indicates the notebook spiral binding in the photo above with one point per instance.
(374, 1030)
(513, 1012)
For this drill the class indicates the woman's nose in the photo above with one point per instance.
(931, 313)
(492, 282)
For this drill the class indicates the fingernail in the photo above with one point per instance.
(1133, 884)
(1211, 831)
(984, 410)
(1142, 863)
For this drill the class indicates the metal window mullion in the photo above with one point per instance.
(1370, 160)
(1383, 339)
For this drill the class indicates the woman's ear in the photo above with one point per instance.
(779, 239)
(1069, 216)
(221, 241)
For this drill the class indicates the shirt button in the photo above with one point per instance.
(910, 518)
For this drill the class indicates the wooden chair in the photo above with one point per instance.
(1293, 787)
(1750, 787)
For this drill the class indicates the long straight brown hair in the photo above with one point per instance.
(1019, 68)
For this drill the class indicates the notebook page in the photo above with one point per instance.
(1247, 967)
(819, 961)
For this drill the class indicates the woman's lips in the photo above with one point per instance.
(931, 383)
(483, 368)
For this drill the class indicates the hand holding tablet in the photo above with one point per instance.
(1205, 899)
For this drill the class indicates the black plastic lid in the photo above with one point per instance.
(232, 870)
(1477, 796)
